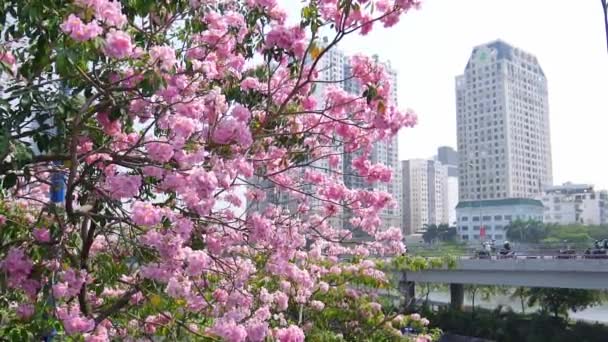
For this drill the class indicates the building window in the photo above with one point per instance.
(464, 218)
(487, 218)
(475, 227)
(508, 217)
(464, 228)
(475, 218)
(465, 237)
(498, 218)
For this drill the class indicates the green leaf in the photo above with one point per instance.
(9, 181)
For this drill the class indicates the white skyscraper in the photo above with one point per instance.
(383, 152)
(424, 194)
(333, 68)
(503, 125)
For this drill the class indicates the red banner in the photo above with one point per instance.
(482, 232)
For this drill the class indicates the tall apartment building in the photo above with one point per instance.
(424, 194)
(383, 152)
(575, 204)
(503, 125)
(449, 157)
(334, 67)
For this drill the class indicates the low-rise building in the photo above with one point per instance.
(487, 219)
(575, 204)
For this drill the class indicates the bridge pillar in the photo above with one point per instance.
(408, 289)
(456, 296)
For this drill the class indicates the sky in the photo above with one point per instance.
(430, 46)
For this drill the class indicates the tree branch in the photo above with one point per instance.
(605, 9)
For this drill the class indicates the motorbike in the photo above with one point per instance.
(599, 251)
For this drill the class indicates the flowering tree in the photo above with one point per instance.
(159, 128)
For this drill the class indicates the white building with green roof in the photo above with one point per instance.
(486, 219)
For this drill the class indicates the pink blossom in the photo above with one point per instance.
(256, 331)
(424, 338)
(73, 321)
(110, 127)
(122, 186)
(70, 285)
(220, 295)
(198, 261)
(153, 171)
(159, 151)
(2, 220)
(42, 234)
(415, 317)
(317, 305)
(281, 300)
(118, 44)
(7, 57)
(250, 83)
(290, 334)
(78, 30)
(230, 130)
(18, 266)
(164, 55)
(424, 321)
(25, 311)
(145, 214)
(99, 335)
(323, 287)
(229, 331)
(183, 127)
(241, 113)
(110, 12)
(376, 307)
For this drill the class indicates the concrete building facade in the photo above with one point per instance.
(575, 204)
(492, 216)
(502, 125)
(449, 157)
(383, 152)
(424, 194)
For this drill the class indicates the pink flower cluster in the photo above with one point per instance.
(73, 321)
(70, 284)
(290, 39)
(18, 266)
(118, 44)
(7, 57)
(42, 235)
(163, 55)
(106, 11)
(78, 30)
(290, 334)
(122, 186)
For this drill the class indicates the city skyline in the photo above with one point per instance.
(573, 57)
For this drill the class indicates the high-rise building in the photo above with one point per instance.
(334, 69)
(503, 125)
(424, 194)
(383, 152)
(449, 157)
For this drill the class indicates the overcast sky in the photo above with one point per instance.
(429, 47)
